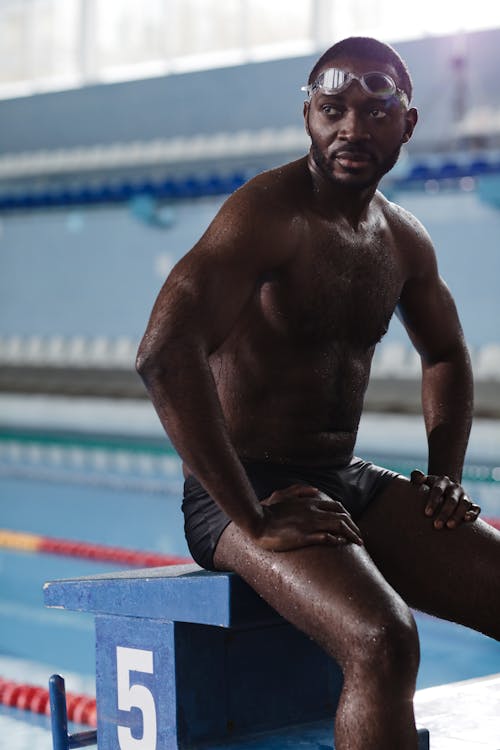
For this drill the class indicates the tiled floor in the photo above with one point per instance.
(462, 715)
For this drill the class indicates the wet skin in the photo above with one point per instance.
(259, 346)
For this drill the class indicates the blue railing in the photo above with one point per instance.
(61, 739)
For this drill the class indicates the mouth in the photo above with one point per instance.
(353, 159)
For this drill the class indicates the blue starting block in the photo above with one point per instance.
(187, 658)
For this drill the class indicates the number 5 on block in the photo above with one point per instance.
(138, 696)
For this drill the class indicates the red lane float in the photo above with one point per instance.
(100, 552)
(495, 522)
(80, 708)
(103, 552)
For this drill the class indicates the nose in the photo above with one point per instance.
(353, 126)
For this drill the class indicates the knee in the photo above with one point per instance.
(387, 649)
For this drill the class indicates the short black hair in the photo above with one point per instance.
(367, 48)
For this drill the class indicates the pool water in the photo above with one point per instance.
(126, 492)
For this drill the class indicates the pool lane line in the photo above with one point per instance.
(93, 447)
(157, 446)
(81, 709)
(25, 542)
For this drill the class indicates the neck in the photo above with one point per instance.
(333, 199)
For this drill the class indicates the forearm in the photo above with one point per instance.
(447, 398)
(184, 395)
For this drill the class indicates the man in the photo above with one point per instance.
(257, 356)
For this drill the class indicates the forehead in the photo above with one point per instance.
(359, 66)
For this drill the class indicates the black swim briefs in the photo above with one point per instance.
(355, 485)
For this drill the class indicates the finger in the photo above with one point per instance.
(295, 490)
(331, 520)
(458, 516)
(338, 524)
(435, 496)
(341, 536)
(301, 490)
(451, 499)
(324, 537)
(466, 511)
(417, 477)
(329, 504)
(350, 531)
(423, 480)
(472, 513)
(345, 526)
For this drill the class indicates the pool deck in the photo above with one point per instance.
(461, 715)
(384, 394)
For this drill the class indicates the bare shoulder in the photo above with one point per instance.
(254, 232)
(260, 214)
(411, 238)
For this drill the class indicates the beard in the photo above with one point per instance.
(325, 166)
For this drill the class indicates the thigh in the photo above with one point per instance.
(451, 573)
(334, 594)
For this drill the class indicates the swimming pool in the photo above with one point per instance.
(116, 481)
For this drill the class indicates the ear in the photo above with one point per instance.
(306, 117)
(411, 119)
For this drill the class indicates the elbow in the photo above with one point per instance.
(141, 363)
(159, 361)
(173, 341)
(148, 361)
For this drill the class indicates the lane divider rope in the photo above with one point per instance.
(81, 709)
(495, 522)
(26, 542)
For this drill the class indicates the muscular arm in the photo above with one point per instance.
(429, 314)
(193, 314)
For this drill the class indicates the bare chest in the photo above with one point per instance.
(335, 290)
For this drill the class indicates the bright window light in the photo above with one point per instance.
(54, 44)
(387, 19)
(38, 40)
(129, 31)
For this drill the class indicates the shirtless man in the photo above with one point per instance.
(257, 356)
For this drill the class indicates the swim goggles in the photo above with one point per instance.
(334, 80)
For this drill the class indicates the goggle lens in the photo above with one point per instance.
(379, 84)
(334, 80)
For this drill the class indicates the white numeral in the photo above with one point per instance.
(135, 696)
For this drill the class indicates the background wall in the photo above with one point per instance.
(76, 268)
(251, 96)
(96, 272)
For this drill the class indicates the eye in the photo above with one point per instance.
(331, 110)
(378, 114)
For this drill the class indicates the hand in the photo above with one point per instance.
(300, 516)
(447, 501)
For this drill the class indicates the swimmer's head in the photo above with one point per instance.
(357, 151)
(365, 48)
